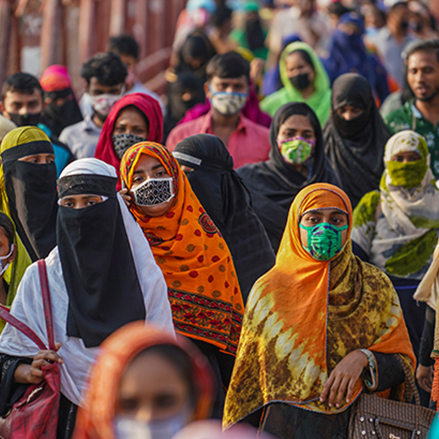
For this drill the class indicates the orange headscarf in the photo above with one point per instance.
(203, 288)
(95, 421)
(304, 316)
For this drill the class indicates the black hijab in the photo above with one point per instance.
(226, 200)
(176, 107)
(196, 45)
(31, 190)
(356, 147)
(275, 183)
(97, 262)
(58, 117)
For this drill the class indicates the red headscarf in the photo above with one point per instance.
(152, 111)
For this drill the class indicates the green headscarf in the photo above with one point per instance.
(319, 101)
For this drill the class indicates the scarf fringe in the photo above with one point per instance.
(435, 387)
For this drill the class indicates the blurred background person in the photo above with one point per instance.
(123, 402)
(348, 54)
(391, 40)
(60, 106)
(128, 50)
(104, 75)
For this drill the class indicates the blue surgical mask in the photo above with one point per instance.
(126, 427)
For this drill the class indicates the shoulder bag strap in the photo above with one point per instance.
(44, 281)
(410, 386)
(9, 318)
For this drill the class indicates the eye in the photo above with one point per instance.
(138, 179)
(129, 404)
(165, 401)
(160, 173)
(91, 202)
(69, 204)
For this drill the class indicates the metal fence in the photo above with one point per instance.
(37, 33)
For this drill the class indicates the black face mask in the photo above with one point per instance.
(25, 119)
(350, 128)
(404, 25)
(301, 81)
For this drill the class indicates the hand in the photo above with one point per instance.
(33, 374)
(424, 375)
(124, 194)
(256, 70)
(343, 378)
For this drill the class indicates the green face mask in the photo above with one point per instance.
(296, 150)
(324, 240)
(407, 175)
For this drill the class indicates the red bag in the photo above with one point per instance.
(35, 415)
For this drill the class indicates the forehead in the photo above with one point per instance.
(239, 80)
(132, 114)
(16, 96)
(325, 211)
(297, 121)
(146, 162)
(423, 58)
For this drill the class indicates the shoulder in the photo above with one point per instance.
(399, 116)
(255, 127)
(184, 130)
(366, 208)
(71, 129)
(276, 97)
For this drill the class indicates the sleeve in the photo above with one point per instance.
(10, 391)
(173, 139)
(363, 224)
(384, 372)
(427, 339)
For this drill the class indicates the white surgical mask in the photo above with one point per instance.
(129, 428)
(227, 103)
(3, 266)
(104, 103)
(153, 192)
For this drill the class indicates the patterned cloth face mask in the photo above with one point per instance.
(153, 192)
(122, 142)
(104, 103)
(296, 150)
(324, 240)
(227, 103)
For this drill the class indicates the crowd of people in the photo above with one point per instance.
(248, 254)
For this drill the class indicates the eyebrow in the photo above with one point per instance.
(152, 169)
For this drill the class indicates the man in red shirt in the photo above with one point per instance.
(227, 89)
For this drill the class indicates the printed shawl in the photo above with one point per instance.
(304, 316)
(202, 284)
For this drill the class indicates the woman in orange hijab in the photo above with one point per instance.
(319, 327)
(203, 288)
(122, 401)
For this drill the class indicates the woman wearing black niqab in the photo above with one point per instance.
(355, 147)
(29, 191)
(227, 201)
(274, 183)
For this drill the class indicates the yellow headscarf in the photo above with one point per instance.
(15, 271)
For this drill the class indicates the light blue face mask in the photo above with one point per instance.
(126, 427)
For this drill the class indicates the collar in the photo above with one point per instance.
(89, 123)
(206, 127)
(415, 111)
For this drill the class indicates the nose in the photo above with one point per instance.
(144, 414)
(348, 115)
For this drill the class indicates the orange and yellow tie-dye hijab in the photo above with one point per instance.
(203, 288)
(304, 316)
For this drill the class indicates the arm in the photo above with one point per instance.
(424, 372)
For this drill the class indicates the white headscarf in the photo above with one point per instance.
(28, 305)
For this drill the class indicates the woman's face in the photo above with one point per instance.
(296, 125)
(296, 65)
(5, 247)
(149, 167)
(349, 112)
(331, 216)
(152, 389)
(130, 121)
(80, 201)
(406, 156)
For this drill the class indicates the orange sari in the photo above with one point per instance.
(95, 420)
(202, 284)
(304, 316)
